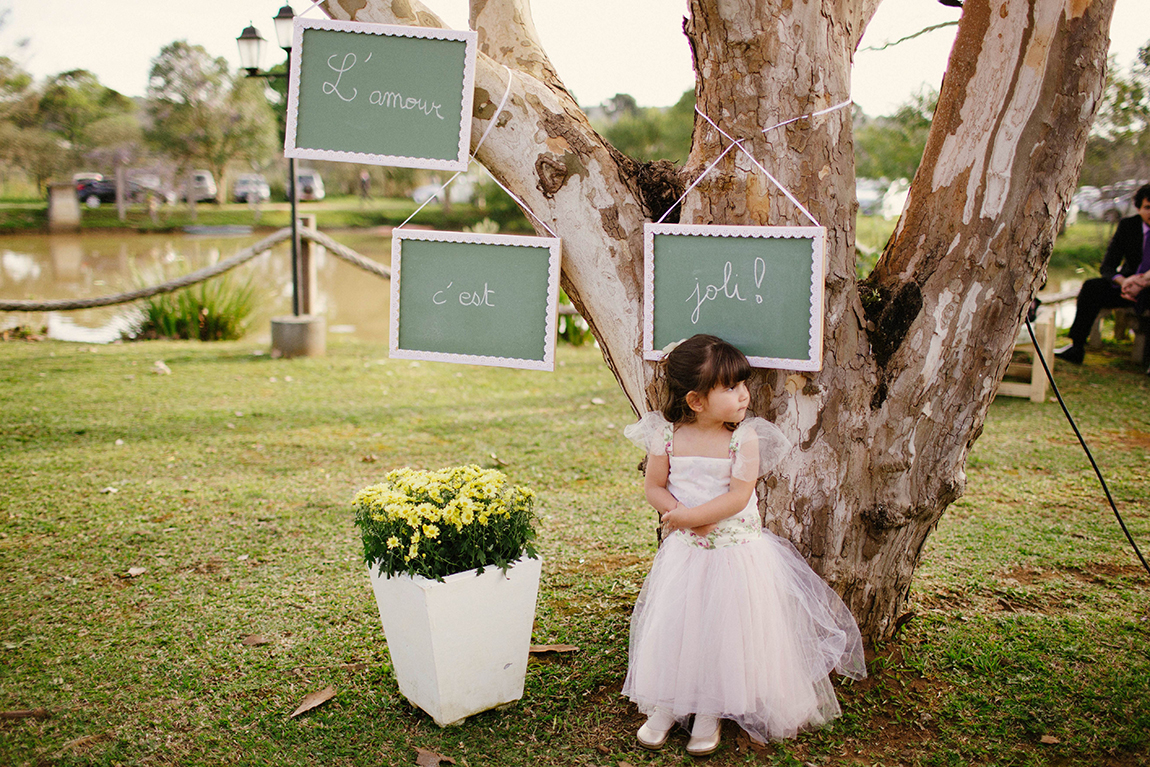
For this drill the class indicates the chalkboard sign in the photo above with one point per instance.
(482, 299)
(380, 94)
(758, 287)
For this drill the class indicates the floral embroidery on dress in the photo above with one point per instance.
(741, 527)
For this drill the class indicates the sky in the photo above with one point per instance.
(636, 46)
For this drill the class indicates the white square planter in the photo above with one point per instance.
(459, 647)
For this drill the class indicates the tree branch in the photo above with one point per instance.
(507, 34)
(545, 152)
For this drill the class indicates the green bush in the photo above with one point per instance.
(214, 310)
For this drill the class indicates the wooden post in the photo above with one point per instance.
(309, 253)
(304, 334)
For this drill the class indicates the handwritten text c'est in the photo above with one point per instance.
(466, 297)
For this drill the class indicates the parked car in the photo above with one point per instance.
(141, 185)
(310, 185)
(203, 187)
(1116, 201)
(461, 190)
(92, 192)
(251, 187)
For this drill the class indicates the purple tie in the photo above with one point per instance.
(1145, 265)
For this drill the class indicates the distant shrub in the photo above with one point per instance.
(214, 310)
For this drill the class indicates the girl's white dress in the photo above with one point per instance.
(735, 624)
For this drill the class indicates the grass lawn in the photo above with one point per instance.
(228, 484)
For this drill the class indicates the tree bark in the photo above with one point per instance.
(913, 355)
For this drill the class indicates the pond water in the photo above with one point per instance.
(38, 266)
(46, 267)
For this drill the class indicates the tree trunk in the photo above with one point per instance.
(913, 355)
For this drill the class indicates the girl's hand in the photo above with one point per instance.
(673, 520)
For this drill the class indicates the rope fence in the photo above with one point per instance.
(245, 255)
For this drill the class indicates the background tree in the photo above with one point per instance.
(912, 356)
(201, 115)
(26, 149)
(1119, 145)
(648, 133)
(891, 147)
(72, 102)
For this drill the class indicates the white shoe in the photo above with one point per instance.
(705, 735)
(653, 734)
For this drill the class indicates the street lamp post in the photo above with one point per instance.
(251, 44)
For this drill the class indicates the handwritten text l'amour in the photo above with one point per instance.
(391, 99)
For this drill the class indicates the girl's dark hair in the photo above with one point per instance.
(699, 364)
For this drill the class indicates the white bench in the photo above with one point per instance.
(1029, 377)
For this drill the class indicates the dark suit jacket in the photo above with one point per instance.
(1124, 254)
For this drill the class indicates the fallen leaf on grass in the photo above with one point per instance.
(134, 572)
(109, 490)
(425, 758)
(30, 713)
(1049, 740)
(255, 640)
(369, 459)
(542, 648)
(311, 700)
(160, 368)
(86, 741)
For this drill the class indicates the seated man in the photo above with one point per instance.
(1125, 277)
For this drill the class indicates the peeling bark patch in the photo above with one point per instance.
(484, 108)
(1078, 7)
(401, 8)
(354, 6)
(814, 432)
(611, 225)
(892, 319)
(552, 175)
(556, 125)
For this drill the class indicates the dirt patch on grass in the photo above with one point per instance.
(1105, 572)
(599, 565)
(1026, 576)
(1132, 438)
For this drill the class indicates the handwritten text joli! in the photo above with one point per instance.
(728, 288)
(392, 99)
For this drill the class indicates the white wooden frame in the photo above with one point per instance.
(469, 37)
(554, 248)
(816, 234)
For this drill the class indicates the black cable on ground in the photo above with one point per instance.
(1081, 441)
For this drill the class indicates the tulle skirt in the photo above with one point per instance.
(745, 632)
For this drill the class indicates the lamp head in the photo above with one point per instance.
(251, 45)
(285, 27)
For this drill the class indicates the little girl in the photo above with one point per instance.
(731, 622)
